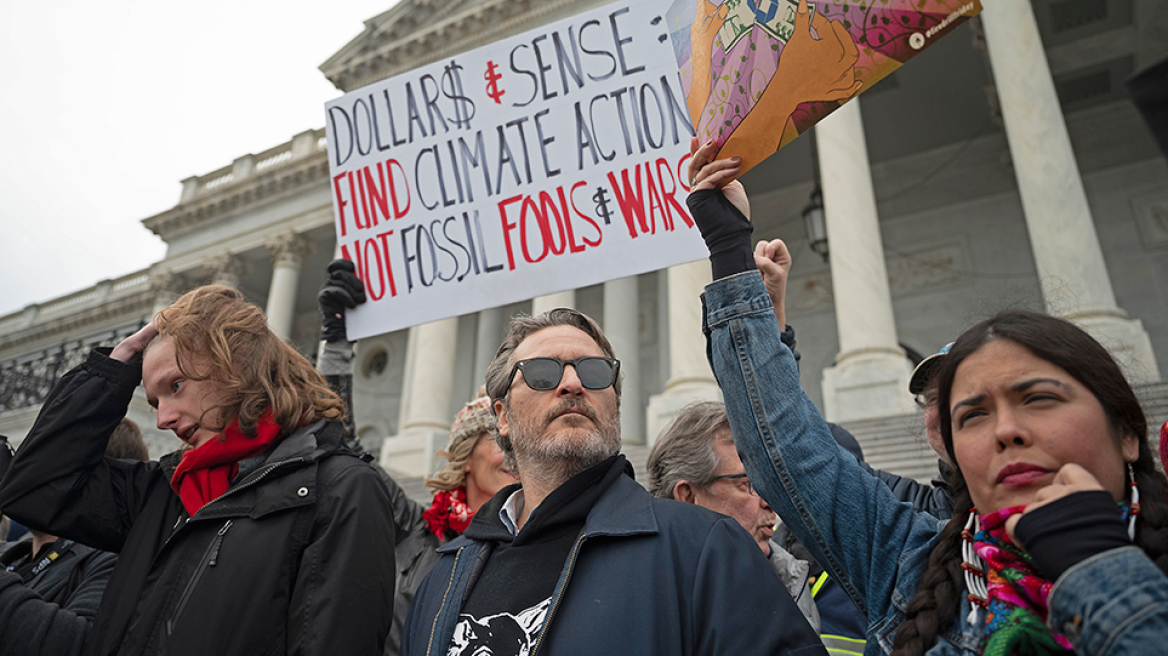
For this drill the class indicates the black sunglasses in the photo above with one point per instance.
(542, 374)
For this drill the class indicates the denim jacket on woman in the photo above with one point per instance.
(877, 548)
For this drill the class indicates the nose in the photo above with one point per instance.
(570, 384)
(167, 417)
(1010, 429)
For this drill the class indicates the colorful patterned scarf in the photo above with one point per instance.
(448, 513)
(1017, 599)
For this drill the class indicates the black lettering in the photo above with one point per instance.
(616, 37)
(337, 135)
(521, 71)
(566, 69)
(543, 144)
(432, 103)
(601, 52)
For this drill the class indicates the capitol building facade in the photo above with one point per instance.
(1005, 167)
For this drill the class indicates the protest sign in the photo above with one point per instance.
(546, 161)
(758, 73)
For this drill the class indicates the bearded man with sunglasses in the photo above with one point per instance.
(578, 558)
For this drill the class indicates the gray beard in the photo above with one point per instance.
(551, 461)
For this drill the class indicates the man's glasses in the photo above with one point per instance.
(543, 374)
(729, 477)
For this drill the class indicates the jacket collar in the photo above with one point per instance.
(623, 509)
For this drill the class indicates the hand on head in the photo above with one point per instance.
(341, 290)
(131, 348)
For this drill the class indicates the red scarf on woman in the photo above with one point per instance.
(448, 512)
(205, 472)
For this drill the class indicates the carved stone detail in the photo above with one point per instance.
(289, 249)
(227, 269)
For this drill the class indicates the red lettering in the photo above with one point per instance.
(599, 233)
(547, 208)
(668, 197)
(378, 198)
(529, 202)
(631, 201)
(654, 203)
(398, 210)
(573, 247)
(384, 237)
(507, 228)
(341, 203)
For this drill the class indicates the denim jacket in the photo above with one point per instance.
(876, 547)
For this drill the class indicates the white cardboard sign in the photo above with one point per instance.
(547, 161)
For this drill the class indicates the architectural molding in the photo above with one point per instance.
(227, 269)
(289, 249)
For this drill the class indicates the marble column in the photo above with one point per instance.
(870, 375)
(488, 336)
(226, 269)
(622, 326)
(1072, 272)
(288, 253)
(564, 299)
(167, 286)
(426, 396)
(690, 378)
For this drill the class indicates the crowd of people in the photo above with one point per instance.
(760, 529)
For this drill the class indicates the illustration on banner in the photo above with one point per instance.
(758, 73)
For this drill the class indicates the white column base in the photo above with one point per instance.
(664, 407)
(867, 385)
(564, 299)
(412, 451)
(1125, 338)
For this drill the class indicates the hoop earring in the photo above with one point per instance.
(1133, 503)
(973, 568)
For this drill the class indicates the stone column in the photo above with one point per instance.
(226, 269)
(870, 376)
(167, 286)
(622, 326)
(690, 378)
(1074, 277)
(426, 395)
(565, 299)
(488, 336)
(288, 253)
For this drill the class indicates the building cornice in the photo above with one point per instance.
(407, 42)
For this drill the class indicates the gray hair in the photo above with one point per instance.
(522, 327)
(685, 449)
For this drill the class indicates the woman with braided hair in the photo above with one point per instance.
(1060, 539)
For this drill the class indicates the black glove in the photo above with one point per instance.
(726, 231)
(341, 290)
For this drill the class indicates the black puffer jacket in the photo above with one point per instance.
(296, 558)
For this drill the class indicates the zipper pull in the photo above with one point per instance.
(218, 543)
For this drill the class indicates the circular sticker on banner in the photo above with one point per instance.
(916, 41)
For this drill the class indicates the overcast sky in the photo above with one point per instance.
(108, 105)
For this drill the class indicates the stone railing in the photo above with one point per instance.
(26, 380)
(94, 296)
(303, 145)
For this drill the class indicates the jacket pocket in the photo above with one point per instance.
(210, 557)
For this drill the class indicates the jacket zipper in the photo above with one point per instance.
(179, 523)
(445, 596)
(547, 623)
(210, 557)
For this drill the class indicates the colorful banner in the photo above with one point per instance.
(758, 73)
(547, 161)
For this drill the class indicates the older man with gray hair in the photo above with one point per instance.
(578, 558)
(694, 461)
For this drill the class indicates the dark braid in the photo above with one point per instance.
(939, 593)
(1152, 524)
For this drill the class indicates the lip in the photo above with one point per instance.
(1020, 474)
(187, 434)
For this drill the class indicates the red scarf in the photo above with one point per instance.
(205, 472)
(448, 512)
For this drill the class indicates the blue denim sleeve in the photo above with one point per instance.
(1114, 604)
(852, 524)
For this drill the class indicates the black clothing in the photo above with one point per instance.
(727, 238)
(295, 558)
(1070, 530)
(48, 602)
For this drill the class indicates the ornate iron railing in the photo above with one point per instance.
(25, 381)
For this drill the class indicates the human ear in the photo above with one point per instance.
(501, 418)
(684, 492)
(1130, 446)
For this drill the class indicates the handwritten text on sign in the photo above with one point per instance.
(548, 161)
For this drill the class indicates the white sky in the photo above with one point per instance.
(106, 106)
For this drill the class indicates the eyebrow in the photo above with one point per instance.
(1016, 387)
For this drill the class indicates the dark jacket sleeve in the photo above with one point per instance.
(60, 482)
(342, 600)
(31, 625)
(924, 498)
